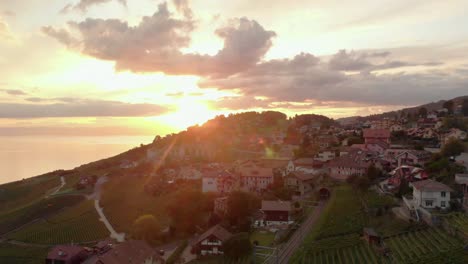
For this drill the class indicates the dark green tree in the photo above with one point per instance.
(422, 112)
(238, 246)
(453, 148)
(449, 106)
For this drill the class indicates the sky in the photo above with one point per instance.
(145, 67)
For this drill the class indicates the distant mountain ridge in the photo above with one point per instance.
(429, 106)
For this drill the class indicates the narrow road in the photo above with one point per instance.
(120, 237)
(298, 237)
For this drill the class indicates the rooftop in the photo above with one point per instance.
(431, 186)
(218, 231)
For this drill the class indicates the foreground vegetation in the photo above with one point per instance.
(12, 254)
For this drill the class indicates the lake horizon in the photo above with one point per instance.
(24, 157)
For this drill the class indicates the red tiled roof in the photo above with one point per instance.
(65, 252)
(132, 251)
(276, 206)
(431, 186)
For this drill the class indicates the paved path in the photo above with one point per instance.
(120, 237)
(62, 183)
(287, 250)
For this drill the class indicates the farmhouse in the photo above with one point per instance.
(253, 177)
(276, 212)
(211, 242)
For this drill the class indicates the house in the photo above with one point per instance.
(211, 242)
(372, 136)
(355, 163)
(67, 254)
(219, 181)
(254, 177)
(413, 157)
(308, 165)
(131, 251)
(300, 182)
(221, 206)
(428, 194)
(276, 212)
(325, 155)
(210, 183)
(189, 173)
(453, 134)
(404, 173)
(462, 179)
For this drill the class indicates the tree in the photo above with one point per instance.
(373, 172)
(422, 112)
(449, 106)
(187, 210)
(240, 206)
(238, 246)
(146, 227)
(453, 148)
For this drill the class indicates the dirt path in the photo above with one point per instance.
(62, 183)
(96, 196)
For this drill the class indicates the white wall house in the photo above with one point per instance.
(429, 194)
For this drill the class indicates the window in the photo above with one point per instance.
(442, 194)
(442, 204)
(428, 203)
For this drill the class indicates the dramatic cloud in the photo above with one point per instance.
(13, 92)
(306, 77)
(84, 5)
(74, 107)
(154, 45)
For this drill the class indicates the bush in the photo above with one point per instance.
(147, 228)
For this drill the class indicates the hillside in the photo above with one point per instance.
(432, 106)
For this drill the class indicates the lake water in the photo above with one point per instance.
(26, 156)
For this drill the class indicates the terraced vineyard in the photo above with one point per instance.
(458, 221)
(340, 249)
(76, 224)
(426, 246)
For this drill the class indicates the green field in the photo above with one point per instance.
(344, 214)
(10, 254)
(76, 224)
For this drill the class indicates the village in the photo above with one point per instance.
(255, 186)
